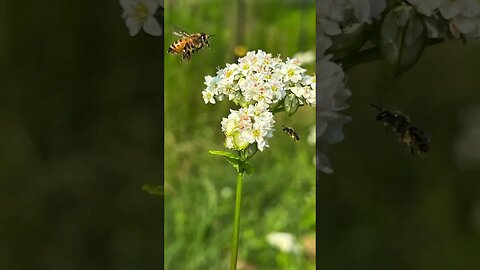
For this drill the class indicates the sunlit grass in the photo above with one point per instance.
(199, 187)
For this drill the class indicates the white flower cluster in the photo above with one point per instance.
(337, 16)
(245, 126)
(257, 83)
(139, 14)
(332, 96)
(463, 16)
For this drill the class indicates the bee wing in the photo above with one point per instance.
(179, 32)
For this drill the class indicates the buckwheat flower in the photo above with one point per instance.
(255, 83)
(247, 126)
(292, 71)
(138, 14)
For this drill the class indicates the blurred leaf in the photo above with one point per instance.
(403, 38)
(291, 104)
(153, 189)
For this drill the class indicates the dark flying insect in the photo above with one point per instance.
(188, 43)
(416, 139)
(292, 133)
(396, 120)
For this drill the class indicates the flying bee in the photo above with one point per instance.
(292, 133)
(188, 43)
(396, 120)
(416, 139)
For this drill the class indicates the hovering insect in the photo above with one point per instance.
(416, 139)
(292, 133)
(396, 120)
(188, 43)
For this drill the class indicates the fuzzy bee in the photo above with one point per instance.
(292, 133)
(416, 139)
(396, 120)
(188, 43)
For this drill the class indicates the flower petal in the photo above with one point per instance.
(126, 4)
(152, 27)
(152, 6)
(133, 26)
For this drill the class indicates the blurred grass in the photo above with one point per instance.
(80, 133)
(199, 187)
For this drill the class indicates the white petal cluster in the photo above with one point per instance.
(255, 83)
(463, 16)
(332, 96)
(138, 14)
(260, 78)
(246, 126)
(336, 16)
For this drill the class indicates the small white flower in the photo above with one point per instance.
(139, 14)
(332, 95)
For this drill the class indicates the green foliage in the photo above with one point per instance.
(403, 38)
(200, 204)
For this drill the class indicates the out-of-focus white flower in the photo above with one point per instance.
(226, 192)
(332, 94)
(139, 14)
(426, 7)
(463, 16)
(283, 241)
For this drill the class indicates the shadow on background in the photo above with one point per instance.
(383, 208)
(80, 133)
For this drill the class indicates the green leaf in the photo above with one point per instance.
(291, 104)
(250, 151)
(403, 37)
(153, 189)
(247, 168)
(235, 163)
(225, 154)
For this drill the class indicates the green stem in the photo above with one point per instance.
(236, 225)
(362, 57)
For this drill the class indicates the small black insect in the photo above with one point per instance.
(292, 133)
(394, 119)
(416, 139)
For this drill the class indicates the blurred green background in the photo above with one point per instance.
(386, 209)
(80, 133)
(199, 187)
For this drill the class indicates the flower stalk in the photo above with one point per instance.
(236, 222)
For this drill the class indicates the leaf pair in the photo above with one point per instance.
(237, 161)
